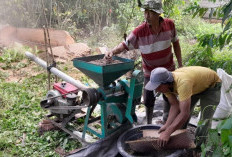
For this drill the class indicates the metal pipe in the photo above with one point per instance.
(56, 72)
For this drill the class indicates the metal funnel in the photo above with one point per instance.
(103, 75)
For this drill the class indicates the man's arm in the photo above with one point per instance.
(182, 117)
(177, 51)
(177, 123)
(173, 112)
(118, 49)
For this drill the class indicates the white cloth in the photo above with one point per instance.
(224, 109)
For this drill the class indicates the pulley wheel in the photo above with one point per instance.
(90, 96)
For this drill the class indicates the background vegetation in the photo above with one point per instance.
(98, 23)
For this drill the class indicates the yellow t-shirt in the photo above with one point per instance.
(192, 80)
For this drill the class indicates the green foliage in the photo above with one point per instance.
(87, 81)
(11, 55)
(193, 28)
(129, 16)
(190, 32)
(14, 55)
(3, 75)
(75, 16)
(222, 59)
(213, 40)
(172, 8)
(227, 10)
(92, 15)
(206, 50)
(8, 56)
(195, 9)
(212, 58)
(219, 144)
(219, 40)
(200, 57)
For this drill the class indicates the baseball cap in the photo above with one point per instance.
(158, 77)
(153, 5)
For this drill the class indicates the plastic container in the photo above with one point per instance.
(133, 134)
(136, 133)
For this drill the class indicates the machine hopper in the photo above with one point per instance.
(103, 75)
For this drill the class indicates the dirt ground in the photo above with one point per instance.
(63, 48)
(25, 68)
(17, 74)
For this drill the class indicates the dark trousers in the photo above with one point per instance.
(149, 100)
(148, 96)
(209, 100)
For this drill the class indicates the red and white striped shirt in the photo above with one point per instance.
(156, 49)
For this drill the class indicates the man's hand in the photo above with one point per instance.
(108, 55)
(118, 49)
(163, 128)
(163, 139)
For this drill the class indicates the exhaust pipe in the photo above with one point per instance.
(56, 72)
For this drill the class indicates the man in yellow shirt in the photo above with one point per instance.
(184, 87)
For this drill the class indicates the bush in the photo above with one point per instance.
(212, 58)
(219, 145)
(192, 28)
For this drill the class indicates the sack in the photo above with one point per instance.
(224, 108)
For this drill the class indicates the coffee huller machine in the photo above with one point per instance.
(117, 99)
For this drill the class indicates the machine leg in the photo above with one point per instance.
(103, 120)
(86, 123)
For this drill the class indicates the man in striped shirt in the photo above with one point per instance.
(154, 38)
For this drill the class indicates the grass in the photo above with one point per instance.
(10, 56)
(20, 112)
(3, 76)
(21, 115)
